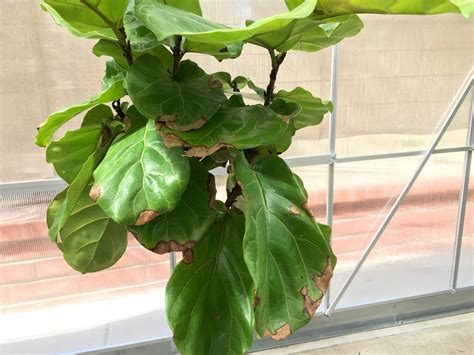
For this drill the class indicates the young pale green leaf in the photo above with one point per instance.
(90, 241)
(87, 18)
(310, 34)
(421, 7)
(208, 299)
(56, 120)
(166, 21)
(285, 251)
(240, 127)
(139, 178)
(312, 108)
(105, 47)
(184, 102)
(181, 228)
(69, 154)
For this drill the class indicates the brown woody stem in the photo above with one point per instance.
(232, 195)
(276, 62)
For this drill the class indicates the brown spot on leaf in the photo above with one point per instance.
(94, 194)
(188, 256)
(256, 302)
(146, 216)
(294, 211)
(167, 247)
(202, 151)
(211, 187)
(214, 82)
(171, 140)
(322, 283)
(285, 118)
(195, 125)
(280, 334)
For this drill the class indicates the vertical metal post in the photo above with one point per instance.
(463, 200)
(332, 145)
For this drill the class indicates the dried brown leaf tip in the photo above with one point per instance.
(280, 334)
(195, 125)
(172, 140)
(322, 283)
(188, 256)
(167, 247)
(94, 194)
(106, 135)
(146, 216)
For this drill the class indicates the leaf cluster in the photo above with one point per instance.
(142, 161)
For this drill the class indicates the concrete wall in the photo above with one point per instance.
(396, 79)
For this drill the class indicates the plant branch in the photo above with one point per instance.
(118, 109)
(232, 195)
(177, 54)
(277, 60)
(119, 32)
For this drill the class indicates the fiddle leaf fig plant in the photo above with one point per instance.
(143, 159)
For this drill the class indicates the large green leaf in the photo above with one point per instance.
(184, 101)
(208, 302)
(166, 21)
(90, 241)
(65, 203)
(69, 154)
(186, 5)
(420, 7)
(240, 127)
(312, 108)
(139, 178)
(56, 120)
(181, 228)
(285, 251)
(87, 18)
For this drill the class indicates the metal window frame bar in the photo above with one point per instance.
(464, 191)
(465, 89)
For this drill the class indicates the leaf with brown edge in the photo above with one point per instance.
(236, 127)
(184, 100)
(182, 227)
(139, 177)
(285, 250)
(209, 295)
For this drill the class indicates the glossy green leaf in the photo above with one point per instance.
(240, 127)
(185, 102)
(56, 120)
(310, 34)
(63, 207)
(312, 108)
(208, 301)
(105, 47)
(113, 73)
(69, 153)
(166, 21)
(87, 18)
(90, 241)
(139, 178)
(420, 7)
(285, 251)
(186, 5)
(182, 227)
